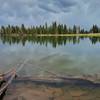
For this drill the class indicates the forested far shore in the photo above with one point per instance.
(46, 29)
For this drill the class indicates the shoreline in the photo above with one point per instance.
(55, 35)
(86, 35)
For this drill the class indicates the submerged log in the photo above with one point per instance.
(6, 81)
(58, 81)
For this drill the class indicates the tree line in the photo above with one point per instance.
(54, 28)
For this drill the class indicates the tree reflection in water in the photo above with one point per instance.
(44, 40)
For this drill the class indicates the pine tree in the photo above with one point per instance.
(94, 29)
(74, 29)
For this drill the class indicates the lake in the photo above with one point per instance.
(60, 55)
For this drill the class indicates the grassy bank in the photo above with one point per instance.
(86, 35)
(83, 35)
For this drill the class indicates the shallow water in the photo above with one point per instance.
(29, 90)
(61, 55)
(39, 56)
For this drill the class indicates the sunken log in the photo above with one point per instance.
(58, 81)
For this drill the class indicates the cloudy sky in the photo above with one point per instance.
(36, 12)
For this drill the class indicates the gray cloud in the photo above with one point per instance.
(36, 12)
(47, 8)
(94, 6)
(57, 6)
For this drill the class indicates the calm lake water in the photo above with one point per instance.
(61, 55)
